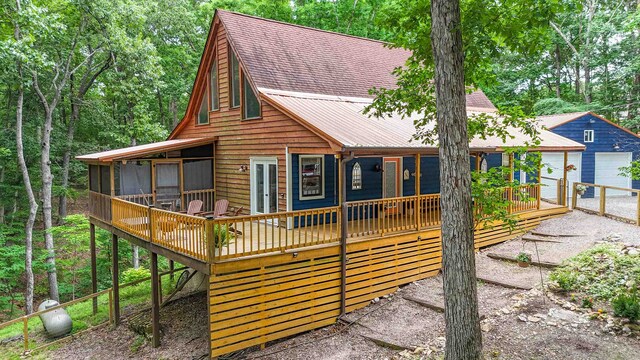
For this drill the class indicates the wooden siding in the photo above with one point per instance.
(239, 140)
(259, 299)
(605, 137)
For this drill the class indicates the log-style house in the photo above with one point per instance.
(328, 207)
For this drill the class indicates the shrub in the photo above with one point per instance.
(565, 279)
(131, 274)
(222, 235)
(627, 305)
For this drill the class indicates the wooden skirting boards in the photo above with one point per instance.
(259, 299)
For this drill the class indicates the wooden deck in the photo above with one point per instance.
(226, 238)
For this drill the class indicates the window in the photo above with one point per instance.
(235, 80)
(198, 174)
(215, 96)
(588, 136)
(203, 115)
(311, 177)
(356, 177)
(249, 101)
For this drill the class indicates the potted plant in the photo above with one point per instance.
(523, 259)
(581, 189)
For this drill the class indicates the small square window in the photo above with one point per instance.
(588, 136)
(311, 177)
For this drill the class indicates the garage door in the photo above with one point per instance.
(608, 171)
(555, 162)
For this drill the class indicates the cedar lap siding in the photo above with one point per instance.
(275, 55)
(606, 136)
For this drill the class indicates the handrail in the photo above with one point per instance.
(602, 210)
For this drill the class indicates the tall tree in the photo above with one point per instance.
(463, 335)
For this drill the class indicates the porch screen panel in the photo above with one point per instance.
(135, 178)
(94, 178)
(167, 182)
(198, 174)
(105, 180)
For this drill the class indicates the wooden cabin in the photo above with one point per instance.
(328, 207)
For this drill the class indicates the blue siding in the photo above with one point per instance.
(605, 137)
(371, 180)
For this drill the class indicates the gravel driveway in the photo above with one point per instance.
(623, 206)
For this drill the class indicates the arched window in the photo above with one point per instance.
(356, 177)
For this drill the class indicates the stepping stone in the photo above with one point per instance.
(545, 264)
(555, 235)
(505, 284)
(532, 239)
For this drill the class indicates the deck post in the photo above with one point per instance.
(94, 273)
(574, 196)
(155, 299)
(564, 178)
(417, 183)
(603, 200)
(539, 181)
(344, 223)
(171, 267)
(115, 279)
(209, 234)
(511, 179)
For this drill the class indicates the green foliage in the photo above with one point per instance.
(551, 106)
(524, 257)
(222, 235)
(601, 272)
(131, 274)
(627, 305)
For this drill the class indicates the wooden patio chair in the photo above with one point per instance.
(220, 208)
(195, 207)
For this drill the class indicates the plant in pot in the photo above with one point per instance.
(523, 259)
(581, 189)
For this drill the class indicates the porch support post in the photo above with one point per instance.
(94, 273)
(112, 179)
(344, 223)
(539, 186)
(171, 267)
(510, 190)
(155, 299)
(341, 188)
(417, 181)
(564, 178)
(478, 160)
(114, 279)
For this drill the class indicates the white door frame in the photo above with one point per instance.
(252, 180)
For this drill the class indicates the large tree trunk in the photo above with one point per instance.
(463, 335)
(22, 164)
(66, 157)
(47, 209)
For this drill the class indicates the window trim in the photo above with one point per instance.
(585, 136)
(243, 102)
(214, 66)
(356, 185)
(302, 197)
(231, 72)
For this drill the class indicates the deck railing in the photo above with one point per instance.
(100, 206)
(181, 233)
(524, 197)
(207, 196)
(229, 237)
(140, 199)
(255, 234)
(596, 203)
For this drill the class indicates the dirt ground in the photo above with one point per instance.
(518, 324)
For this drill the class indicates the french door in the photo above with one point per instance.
(264, 186)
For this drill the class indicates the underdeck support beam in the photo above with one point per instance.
(115, 275)
(155, 300)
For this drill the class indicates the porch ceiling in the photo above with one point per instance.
(144, 150)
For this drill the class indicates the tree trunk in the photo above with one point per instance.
(22, 164)
(135, 256)
(66, 157)
(463, 335)
(47, 210)
(577, 79)
(558, 64)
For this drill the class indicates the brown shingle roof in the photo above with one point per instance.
(296, 58)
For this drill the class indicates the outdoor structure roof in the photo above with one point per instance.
(144, 150)
(342, 119)
(291, 57)
(553, 121)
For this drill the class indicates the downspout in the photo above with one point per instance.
(343, 233)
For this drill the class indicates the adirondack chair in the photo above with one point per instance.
(221, 208)
(195, 206)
